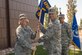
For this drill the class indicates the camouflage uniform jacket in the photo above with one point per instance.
(52, 38)
(66, 33)
(24, 40)
(66, 37)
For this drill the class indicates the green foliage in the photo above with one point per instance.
(11, 54)
(41, 51)
(72, 52)
(46, 20)
(81, 22)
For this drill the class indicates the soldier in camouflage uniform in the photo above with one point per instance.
(52, 35)
(66, 35)
(25, 35)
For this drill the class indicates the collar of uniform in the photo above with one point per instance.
(55, 21)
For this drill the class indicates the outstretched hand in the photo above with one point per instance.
(33, 48)
(35, 44)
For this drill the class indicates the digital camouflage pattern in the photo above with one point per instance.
(52, 38)
(66, 37)
(24, 40)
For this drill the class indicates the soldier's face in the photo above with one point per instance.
(24, 22)
(52, 16)
(61, 19)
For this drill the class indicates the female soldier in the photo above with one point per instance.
(25, 35)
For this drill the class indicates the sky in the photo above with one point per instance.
(62, 4)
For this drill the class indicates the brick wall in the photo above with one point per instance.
(15, 8)
(3, 35)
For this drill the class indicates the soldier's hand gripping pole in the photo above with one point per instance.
(36, 39)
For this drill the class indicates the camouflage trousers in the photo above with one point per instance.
(23, 53)
(20, 51)
(65, 49)
(54, 52)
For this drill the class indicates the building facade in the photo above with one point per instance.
(9, 13)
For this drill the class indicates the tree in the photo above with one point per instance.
(46, 21)
(81, 23)
(71, 10)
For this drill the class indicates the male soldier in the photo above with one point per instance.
(24, 43)
(65, 35)
(52, 36)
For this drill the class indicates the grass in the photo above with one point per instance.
(72, 52)
(41, 51)
(11, 54)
